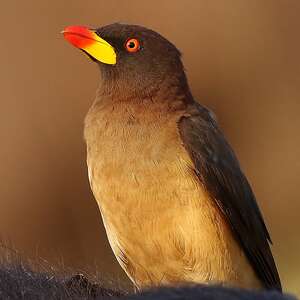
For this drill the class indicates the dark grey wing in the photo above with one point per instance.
(218, 169)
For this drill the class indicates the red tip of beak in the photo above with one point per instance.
(79, 36)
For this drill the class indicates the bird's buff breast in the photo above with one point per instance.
(161, 224)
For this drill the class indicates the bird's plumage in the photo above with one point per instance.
(218, 169)
(174, 201)
(163, 226)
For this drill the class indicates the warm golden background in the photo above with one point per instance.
(242, 60)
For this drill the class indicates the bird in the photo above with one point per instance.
(175, 204)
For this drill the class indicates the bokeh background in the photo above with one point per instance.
(242, 60)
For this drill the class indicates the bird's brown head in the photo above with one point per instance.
(130, 57)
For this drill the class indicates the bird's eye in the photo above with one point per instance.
(132, 45)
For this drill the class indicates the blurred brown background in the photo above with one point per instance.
(242, 60)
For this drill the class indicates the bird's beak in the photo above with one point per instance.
(87, 40)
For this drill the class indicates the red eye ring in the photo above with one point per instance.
(132, 45)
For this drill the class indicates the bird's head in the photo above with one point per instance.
(130, 57)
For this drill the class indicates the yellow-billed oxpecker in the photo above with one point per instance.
(175, 204)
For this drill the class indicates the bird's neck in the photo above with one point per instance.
(165, 89)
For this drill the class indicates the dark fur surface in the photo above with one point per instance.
(206, 292)
(18, 281)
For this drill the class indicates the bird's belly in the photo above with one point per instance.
(162, 225)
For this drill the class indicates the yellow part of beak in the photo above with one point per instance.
(102, 51)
